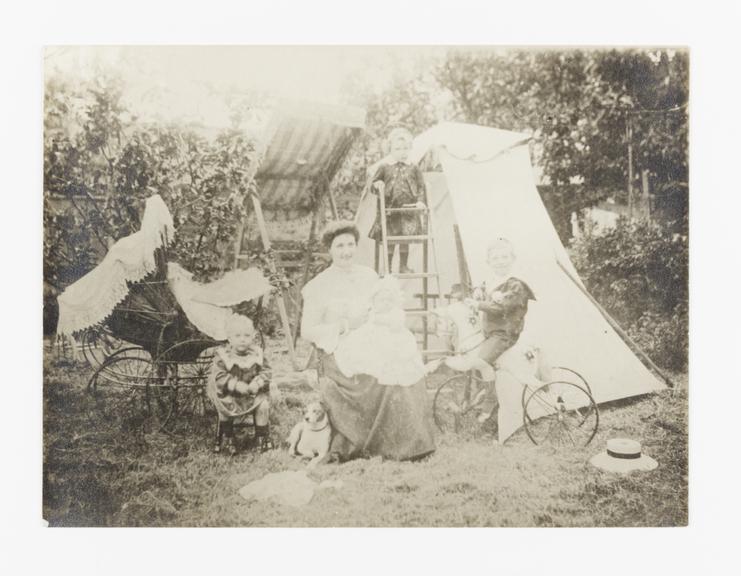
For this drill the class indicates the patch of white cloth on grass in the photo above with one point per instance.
(292, 488)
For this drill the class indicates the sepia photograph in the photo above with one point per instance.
(365, 286)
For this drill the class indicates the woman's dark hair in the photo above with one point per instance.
(337, 228)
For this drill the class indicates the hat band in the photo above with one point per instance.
(623, 456)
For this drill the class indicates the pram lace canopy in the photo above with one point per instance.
(91, 299)
(94, 297)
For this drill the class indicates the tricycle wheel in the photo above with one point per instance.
(570, 375)
(560, 413)
(458, 404)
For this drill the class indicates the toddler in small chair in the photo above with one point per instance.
(239, 384)
(383, 347)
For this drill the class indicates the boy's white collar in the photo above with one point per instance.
(255, 356)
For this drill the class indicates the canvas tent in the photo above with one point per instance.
(486, 189)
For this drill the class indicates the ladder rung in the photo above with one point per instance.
(418, 312)
(413, 275)
(407, 239)
(440, 351)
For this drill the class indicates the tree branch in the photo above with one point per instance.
(87, 221)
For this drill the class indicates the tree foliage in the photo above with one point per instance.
(639, 272)
(100, 164)
(578, 105)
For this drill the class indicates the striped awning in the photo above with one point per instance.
(307, 143)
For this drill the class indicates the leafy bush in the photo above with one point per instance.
(100, 165)
(638, 271)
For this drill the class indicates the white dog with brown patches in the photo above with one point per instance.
(311, 436)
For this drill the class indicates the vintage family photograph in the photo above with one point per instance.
(365, 286)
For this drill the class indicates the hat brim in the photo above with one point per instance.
(623, 465)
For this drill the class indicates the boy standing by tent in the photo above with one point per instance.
(404, 186)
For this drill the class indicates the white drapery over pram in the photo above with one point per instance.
(92, 299)
(207, 305)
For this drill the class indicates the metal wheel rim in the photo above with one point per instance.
(566, 421)
(582, 380)
(130, 392)
(458, 390)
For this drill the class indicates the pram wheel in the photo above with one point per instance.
(459, 403)
(188, 379)
(560, 414)
(131, 393)
(98, 344)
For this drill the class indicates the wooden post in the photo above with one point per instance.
(463, 274)
(271, 264)
(307, 264)
(332, 201)
(382, 215)
(646, 195)
(431, 234)
(629, 136)
(425, 284)
(260, 151)
(238, 243)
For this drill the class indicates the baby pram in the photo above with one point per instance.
(168, 323)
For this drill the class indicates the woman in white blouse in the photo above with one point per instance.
(367, 418)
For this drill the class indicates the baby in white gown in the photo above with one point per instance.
(383, 347)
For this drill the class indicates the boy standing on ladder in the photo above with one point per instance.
(404, 185)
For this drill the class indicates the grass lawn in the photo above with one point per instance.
(99, 475)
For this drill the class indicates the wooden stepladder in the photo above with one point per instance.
(427, 241)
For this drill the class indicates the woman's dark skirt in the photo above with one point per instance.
(370, 419)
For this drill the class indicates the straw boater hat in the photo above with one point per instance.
(623, 455)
